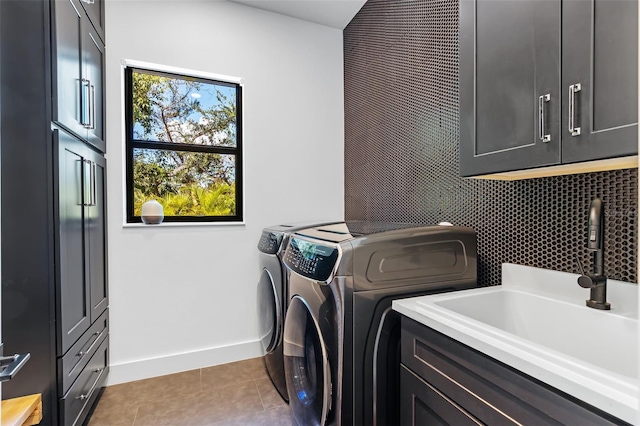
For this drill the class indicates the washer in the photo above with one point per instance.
(341, 338)
(273, 297)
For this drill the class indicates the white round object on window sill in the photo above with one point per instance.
(152, 212)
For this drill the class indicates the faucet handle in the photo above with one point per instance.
(589, 280)
(580, 265)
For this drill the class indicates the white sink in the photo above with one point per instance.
(577, 331)
(537, 322)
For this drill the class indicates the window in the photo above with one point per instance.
(183, 146)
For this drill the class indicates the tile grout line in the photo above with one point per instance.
(136, 415)
(259, 395)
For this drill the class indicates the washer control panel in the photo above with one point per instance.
(270, 242)
(309, 259)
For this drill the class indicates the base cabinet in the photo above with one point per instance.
(444, 382)
(75, 403)
(75, 361)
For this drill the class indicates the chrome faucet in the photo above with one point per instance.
(596, 281)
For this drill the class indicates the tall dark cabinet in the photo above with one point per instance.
(53, 206)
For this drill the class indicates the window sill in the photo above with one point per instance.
(181, 224)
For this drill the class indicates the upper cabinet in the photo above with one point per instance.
(600, 79)
(546, 83)
(78, 59)
(95, 11)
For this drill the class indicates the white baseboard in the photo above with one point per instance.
(177, 363)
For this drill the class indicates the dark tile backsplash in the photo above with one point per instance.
(401, 153)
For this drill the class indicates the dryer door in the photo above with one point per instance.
(306, 365)
(269, 312)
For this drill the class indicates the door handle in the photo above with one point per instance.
(542, 101)
(11, 365)
(573, 89)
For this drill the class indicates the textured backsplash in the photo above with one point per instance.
(401, 153)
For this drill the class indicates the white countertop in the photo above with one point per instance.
(555, 343)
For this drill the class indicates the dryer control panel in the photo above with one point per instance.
(270, 242)
(311, 260)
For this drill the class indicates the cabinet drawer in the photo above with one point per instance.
(70, 365)
(422, 404)
(82, 394)
(492, 392)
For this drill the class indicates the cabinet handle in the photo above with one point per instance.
(573, 89)
(84, 103)
(87, 123)
(94, 190)
(92, 118)
(87, 395)
(88, 1)
(87, 183)
(82, 192)
(542, 100)
(11, 365)
(83, 353)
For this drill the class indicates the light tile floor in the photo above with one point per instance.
(239, 393)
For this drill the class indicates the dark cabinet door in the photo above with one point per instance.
(95, 11)
(600, 79)
(509, 85)
(95, 228)
(93, 59)
(78, 89)
(423, 404)
(69, 108)
(74, 315)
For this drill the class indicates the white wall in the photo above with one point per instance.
(184, 297)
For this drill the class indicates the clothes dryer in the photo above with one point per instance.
(341, 338)
(273, 298)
